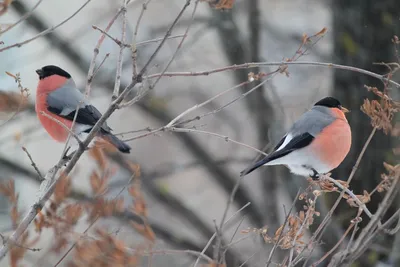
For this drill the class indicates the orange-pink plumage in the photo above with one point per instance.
(316, 143)
(57, 102)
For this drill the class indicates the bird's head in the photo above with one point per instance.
(334, 105)
(51, 78)
(51, 70)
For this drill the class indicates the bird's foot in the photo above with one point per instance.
(315, 176)
(65, 156)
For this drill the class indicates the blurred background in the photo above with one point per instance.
(187, 177)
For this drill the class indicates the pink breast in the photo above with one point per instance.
(333, 144)
(54, 129)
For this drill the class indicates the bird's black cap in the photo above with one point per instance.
(329, 102)
(50, 70)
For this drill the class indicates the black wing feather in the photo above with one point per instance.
(297, 142)
(88, 115)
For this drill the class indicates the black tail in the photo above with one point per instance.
(123, 147)
(254, 166)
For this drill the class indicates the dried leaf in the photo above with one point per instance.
(8, 190)
(134, 168)
(98, 155)
(144, 230)
(99, 184)
(220, 4)
(322, 32)
(62, 189)
(12, 102)
(388, 167)
(72, 213)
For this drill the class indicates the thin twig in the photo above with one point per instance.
(134, 44)
(96, 51)
(178, 47)
(350, 193)
(64, 126)
(41, 178)
(118, 42)
(271, 254)
(361, 243)
(4, 240)
(100, 65)
(215, 234)
(353, 234)
(300, 231)
(172, 251)
(335, 247)
(277, 63)
(189, 110)
(121, 53)
(226, 138)
(159, 39)
(139, 76)
(46, 31)
(23, 18)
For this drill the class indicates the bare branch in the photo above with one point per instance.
(215, 234)
(282, 63)
(46, 31)
(23, 18)
(121, 52)
(226, 138)
(134, 44)
(41, 178)
(178, 47)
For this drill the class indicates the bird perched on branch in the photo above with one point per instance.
(57, 99)
(316, 144)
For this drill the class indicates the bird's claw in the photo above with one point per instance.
(65, 156)
(315, 176)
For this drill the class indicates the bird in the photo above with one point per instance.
(57, 99)
(315, 144)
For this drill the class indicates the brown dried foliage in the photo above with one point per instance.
(290, 235)
(145, 230)
(14, 102)
(214, 264)
(11, 102)
(4, 6)
(381, 112)
(364, 198)
(8, 190)
(62, 189)
(388, 178)
(104, 208)
(326, 185)
(105, 250)
(99, 157)
(220, 4)
(17, 251)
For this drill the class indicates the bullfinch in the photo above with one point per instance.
(316, 143)
(58, 97)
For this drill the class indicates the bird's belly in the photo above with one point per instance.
(302, 162)
(56, 130)
(333, 144)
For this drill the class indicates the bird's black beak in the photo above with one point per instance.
(40, 73)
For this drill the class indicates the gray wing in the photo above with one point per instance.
(66, 99)
(312, 122)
